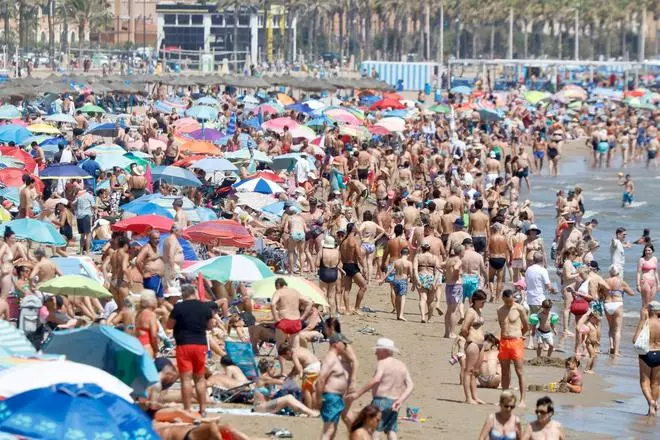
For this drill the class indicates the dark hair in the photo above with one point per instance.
(398, 230)
(8, 233)
(572, 359)
(334, 324)
(367, 216)
(122, 241)
(489, 337)
(479, 204)
(479, 295)
(547, 402)
(226, 361)
(368, 412)
(620, 229)
(507, 293)
(265, 364)
(284, 349)
(647, 246)
(546, 304)
(280, 282)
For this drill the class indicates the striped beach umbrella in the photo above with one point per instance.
(258, 185)
(231, 268)
(13, 341)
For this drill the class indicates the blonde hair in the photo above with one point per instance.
(147, 299)
(507, 396)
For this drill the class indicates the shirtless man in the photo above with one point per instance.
(437, 248)
(391, 386)
(401, 273)
(512, 319)
(499, 255)
(456, 238)
(384, 220)
(410, 217)
(363, 163)
(371, 232)
(350, 256)
(150, 264)
(453, 288)
(474, 270)
(628, 190)
(456, 201)
(357, 195)
(119, 268)
(307, 367)
(172, 259)
(392, 253)
(285, 307)
(479, 222)
(544, 427)
(171, 150)
(426, 267)
(26, 198)
(313, 220)
(523, 166)
(405, 179)
(447, 224)
(180, 217)
(332, 385)
(492, 168)
(296, 228)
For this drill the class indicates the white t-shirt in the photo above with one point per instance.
(302, 169)
(617, 253)
(537, 278)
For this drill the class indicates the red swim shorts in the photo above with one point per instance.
(191, 358)
(512, 349)
(289, 326)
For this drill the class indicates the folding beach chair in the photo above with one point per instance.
(242, 356)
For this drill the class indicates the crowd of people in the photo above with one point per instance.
(433, 208)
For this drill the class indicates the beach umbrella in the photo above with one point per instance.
(206, 214)
(202, 112)
(109, 161)
(378, 130)
(276, 208)
(318, 122)
(186, 125)
(14, 133)
(43, 128)
(147, 209)
(13, 177)
(285, 99)
(267, 109)
(250, 101)
(175, 176)
(187, 161)
(403, 114)
(303, 132)
(142, 224)
(230, 268)
(91, 108)
(248, 154)
(164, 202)
(300, 107)
(35, 230)
(270, 176)
(265, 289)
(32, 375)
(22, 155)
(258, 185)
(355, 131)
(78, 265)
(9, 111)
(534, 96)
(386, 103)
(220, 233)
(207, 134)
(200, 147)
(38, 138)
(189, 253)
(342, 115)
(63, 171)
(462, 90)
(8, 361)
(208, 100)
(393, 124)
(74, 285)
(61, 117)
(489, 115)
(108, 129)
(74, 411)
(277, 125)
(315, 104)
(289, 160)
(252, 123)
(13, 341)
(116, 352)
(213, 164)
(106, 149)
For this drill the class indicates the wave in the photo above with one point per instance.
(638, 204)
(589, 213)
(542, 205)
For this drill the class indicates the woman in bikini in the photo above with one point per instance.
(647, 275)
(613, 304)
(328, 263)
(146, 325)
(10, 251)
(473, 332)
(569, 280)
(502, 425)
(425, 265)
(649, 363)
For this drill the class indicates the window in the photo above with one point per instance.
(170, 19)
(244, 20)
(187, 38)
(217, 20)
(184, 19)
(197, 19)
(229, 19)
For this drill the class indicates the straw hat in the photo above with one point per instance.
(386, 344)
(139, 170)
(304, 205)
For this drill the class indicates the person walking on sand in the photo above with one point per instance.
(285, 307)
(425, 268)
(327, 261)
(544, 428)
(332, 385)
(512, 319)
(473, 332)
(391, 386)
(399, 277)
(453, 289)
(649, 362)
(350, 256)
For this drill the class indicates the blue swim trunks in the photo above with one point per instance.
(332, 405)
(390, 277)
(400, 287)
(388, 418)
(627, 197)
(470, 285)
(154, 283)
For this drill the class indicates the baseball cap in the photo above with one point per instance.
(338, 337)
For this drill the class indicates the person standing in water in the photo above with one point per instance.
(628, 190)
(649, 363)
(647, 275)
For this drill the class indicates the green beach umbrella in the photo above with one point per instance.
(74, 285)
(440, 108)
(231, 268)
(91, 108)
(534, 96)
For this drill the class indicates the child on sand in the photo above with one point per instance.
(545, 327)
(572, 379)
(592, 340)
(458, 355)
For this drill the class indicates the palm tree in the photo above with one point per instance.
(84, 12)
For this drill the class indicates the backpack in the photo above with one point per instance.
(28, 319)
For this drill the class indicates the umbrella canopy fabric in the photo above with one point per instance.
(440, 108)
(186, 125)
(220, 233)
(265, 288)
(303, 132)
(61, 117)
(35, 230)
(393, 124)
(385, 103)
(91, 108)
(202, 112)
(200, 147)
(13, 341)
(29, 376)
(164, 202)
(212, 164)
(277, 125)
(109, 161)
(43, 128)
(175, 176)
(149, 208)
(248, 154)
(13, 177)
(14, 133)
(342, 115)
(534, 96)
(206, 134)
(114, 351)
(63, 171)
(78, 265)
(106, 149)
(358, 132)
(142, 224)
(22, 155)
(207, 100)
(109, 129)
(74, 285)
(258, 185)
(270, 176)
(231, 268)
(74, 411)
(461, 90)
(9, 111)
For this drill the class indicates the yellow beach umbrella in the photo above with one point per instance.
(265, 288)
(43, 128)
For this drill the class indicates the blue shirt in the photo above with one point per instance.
(91, 167)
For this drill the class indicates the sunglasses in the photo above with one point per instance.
(541, 412)
(508, 406)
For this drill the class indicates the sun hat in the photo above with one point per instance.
(386, 344)
(329, 242)
(304, 205)
(533, 227)
(139, 170)
(338, 337)
(654, 306)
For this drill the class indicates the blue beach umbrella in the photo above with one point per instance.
(35, 230)
(150, 208)
(108, 129)
(14, 133)
(207, 100)
(463, 90)
(212, 164)
(300, 107)
(75, 412)
(9, 111)
(258, 185)
(39, 139)
(253, 123)
(318, 122)
(13, 341)
(63, 171)
(61, 117)
(206, 214)
(114, 351)
(175, 176)
(202, 112)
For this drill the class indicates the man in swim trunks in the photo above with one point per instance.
(285, 307)
(426, 269)
(119, 266)
(512, 318)
(478, 227)
(629, 191)
(474, 269)
(399, 277)
(371, 232)
(332, 384)
(499, 254)
(350, 256)
(453, 289)
(150, 264)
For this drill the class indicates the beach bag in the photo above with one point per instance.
(642, 342)
(579, 306)
(28, 319)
